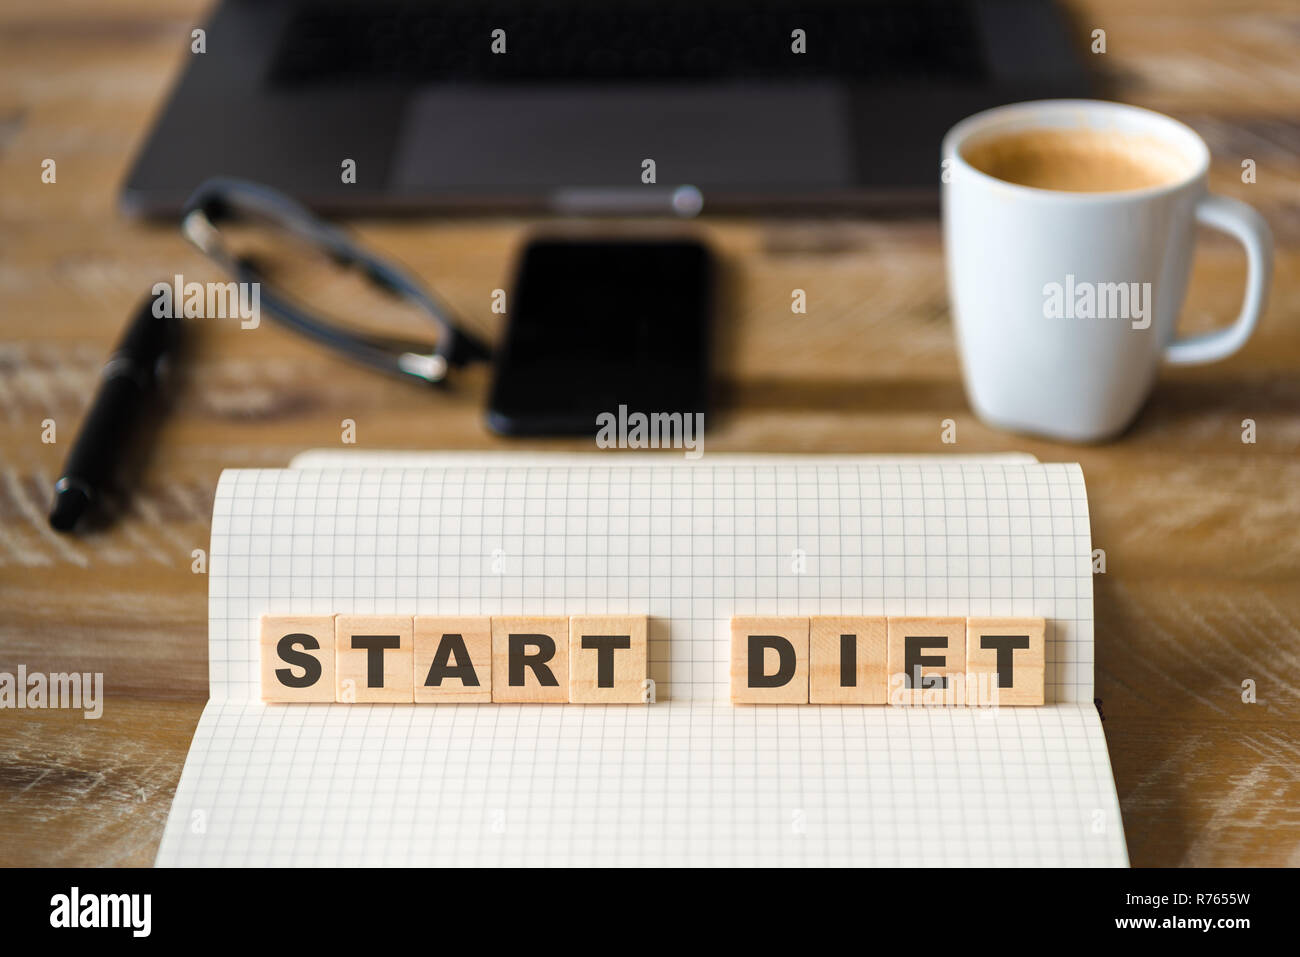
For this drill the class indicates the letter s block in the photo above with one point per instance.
(769, 661)
(297, 658)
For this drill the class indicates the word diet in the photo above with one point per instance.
(603, 660)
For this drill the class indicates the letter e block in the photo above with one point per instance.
(769, 661)
(453, 660)
(374, 655)
(849, 660)
(607, 659)
(297, 658)
(927, 661)
(530, 660)
(1006, 655)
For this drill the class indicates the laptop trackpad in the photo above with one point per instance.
(516, 138)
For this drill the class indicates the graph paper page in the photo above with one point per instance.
(690, 779)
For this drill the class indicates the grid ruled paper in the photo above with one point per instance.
(690, 779)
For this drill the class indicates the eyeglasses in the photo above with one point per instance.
(255, 232)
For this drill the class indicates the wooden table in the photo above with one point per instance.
(1203, 562)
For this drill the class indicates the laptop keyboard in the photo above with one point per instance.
(645, 40)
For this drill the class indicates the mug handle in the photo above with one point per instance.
(1237, 219)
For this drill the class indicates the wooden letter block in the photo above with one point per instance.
(849, 660)
(375, 658)
(769, 661)
(607, 659)
(1005, 655)
(927, 661)
(530, 660)
(297, 658)
(453, 660)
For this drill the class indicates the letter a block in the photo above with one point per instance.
(607, 659)
(769, 661)
(453, 660)
(927, 661)
(530, 660)
(297, 658)
(1006, 655)
(374, 658)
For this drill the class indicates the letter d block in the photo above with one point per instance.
(530, 660)
(297, 658)
(374, 659)
(769, 661)
(607, 659)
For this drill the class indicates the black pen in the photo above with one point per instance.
(128, 384)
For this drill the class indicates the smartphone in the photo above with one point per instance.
(599, 325)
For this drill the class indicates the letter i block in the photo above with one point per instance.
(453, 660)
(849, 660)
(297, 658)
(927, 661)
(530, 660)
(374, 655)
(1006, 656)
(769, 661)
(607, 659)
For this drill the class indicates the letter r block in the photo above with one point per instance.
(374, 659)
(530, 660)
(297, 658)
(769, 661)
(607, 659)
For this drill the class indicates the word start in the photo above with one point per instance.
(603, 660)
(433, 660)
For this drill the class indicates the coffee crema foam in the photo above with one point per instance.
(1077, 160)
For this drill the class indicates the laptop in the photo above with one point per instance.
(595, 106)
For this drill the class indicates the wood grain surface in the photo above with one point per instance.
(1202, 585)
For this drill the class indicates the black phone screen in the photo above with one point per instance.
(598, 325)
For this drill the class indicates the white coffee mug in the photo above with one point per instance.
(1021, 259)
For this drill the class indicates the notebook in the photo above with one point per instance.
(689, 779)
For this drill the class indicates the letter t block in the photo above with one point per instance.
(607, 659)
(1004, 661)
(374, 659)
